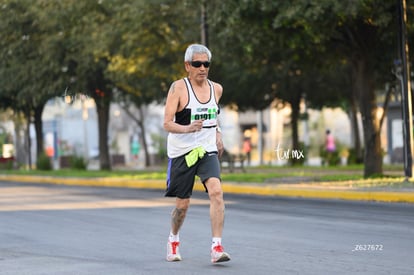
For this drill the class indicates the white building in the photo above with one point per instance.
(73, 129)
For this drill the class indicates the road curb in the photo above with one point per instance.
(235, 188)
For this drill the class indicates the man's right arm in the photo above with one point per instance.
(172, 105)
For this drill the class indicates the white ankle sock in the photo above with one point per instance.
(215, 241)
(174, 238)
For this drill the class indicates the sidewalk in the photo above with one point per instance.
(365, 190)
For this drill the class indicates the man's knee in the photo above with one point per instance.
(214, 188)
(182, 204)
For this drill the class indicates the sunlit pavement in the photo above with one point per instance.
(321, 190)
(49, 229)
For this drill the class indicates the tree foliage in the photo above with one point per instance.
(288, 49)
(89, 47)
(329, 52)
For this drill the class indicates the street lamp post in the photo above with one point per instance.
(406, 96)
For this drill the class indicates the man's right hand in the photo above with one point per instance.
(195, 126)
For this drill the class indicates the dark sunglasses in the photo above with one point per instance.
(197, 64)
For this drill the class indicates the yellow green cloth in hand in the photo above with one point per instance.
(192, 157)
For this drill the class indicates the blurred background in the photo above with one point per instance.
(83, 83)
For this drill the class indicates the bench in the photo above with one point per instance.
(232, 161)
(6, 163)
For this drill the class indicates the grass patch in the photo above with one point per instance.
(260, 174)
(89, 173)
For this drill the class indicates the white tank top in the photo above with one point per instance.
(179, 144)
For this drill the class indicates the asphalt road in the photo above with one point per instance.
(57, 229)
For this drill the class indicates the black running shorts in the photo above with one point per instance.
(180, 177)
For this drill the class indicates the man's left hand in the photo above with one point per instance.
(219, 143)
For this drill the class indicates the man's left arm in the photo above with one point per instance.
(219, 141)
(218, 89)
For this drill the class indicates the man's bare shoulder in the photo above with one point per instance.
(177, 87)
(216, 85)
(217, 88)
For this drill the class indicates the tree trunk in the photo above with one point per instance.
(20, 140)
(28, 141)
(140, 121)
(102, 109)
(355, 129)
(102, 94)
(295, 106)
(364, 87)
(38, 123)
(141, 125)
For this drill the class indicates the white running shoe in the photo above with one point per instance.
(218, 255)
(173, 253)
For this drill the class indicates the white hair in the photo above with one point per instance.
(194, 49)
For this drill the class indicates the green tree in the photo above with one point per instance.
(93, 48)
(284, 43)
(267, 62)
(150, 57)
(363, 34)
(91, 38)
(29, 68)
